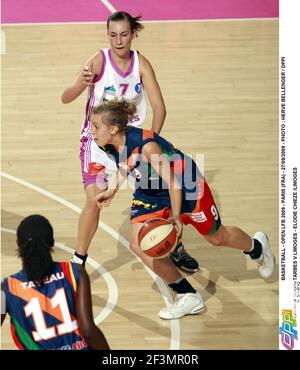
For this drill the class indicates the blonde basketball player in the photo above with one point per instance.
(180, 191)
(118, 72)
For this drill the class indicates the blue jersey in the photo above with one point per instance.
(44, 316)
(152, 197)
(149, 184)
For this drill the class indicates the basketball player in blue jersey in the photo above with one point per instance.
(181, 192)
(117, 72)
(49, 303)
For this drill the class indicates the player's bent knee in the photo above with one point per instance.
(91, 205)
(215, 240)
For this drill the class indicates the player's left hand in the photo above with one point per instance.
(104, 198)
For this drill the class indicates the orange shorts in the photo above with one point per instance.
(202, 213)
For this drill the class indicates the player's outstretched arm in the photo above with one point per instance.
(91, 333)
(104, 198)
(154, 94)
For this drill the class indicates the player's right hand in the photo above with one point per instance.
(87, 75)
(178, 225)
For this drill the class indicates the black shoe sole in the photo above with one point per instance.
(184, 269)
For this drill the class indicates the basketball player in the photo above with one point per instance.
(49, 303)
(181, 192)
(110, 73)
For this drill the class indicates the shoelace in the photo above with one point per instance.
(265, 259)
(178, 299)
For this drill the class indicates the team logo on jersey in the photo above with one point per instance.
(110, 90)
(198, 217)
(81, 344)
(137, 87)
(141, 203)
(95, 169)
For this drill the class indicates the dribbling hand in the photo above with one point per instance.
(178, 225)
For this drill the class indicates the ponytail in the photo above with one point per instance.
(35, 242)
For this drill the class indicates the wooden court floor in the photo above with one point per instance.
(219, 81)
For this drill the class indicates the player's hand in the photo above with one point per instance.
(178, 225)
(104, 199)
(87, 75)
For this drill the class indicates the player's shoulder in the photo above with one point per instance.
(133, 137)
(97, 60)
(142, 59)
(134, 132)
(137, 137)
(143, 62)
(20, 275)
(98, 54)
(15, 278)
(96, 57)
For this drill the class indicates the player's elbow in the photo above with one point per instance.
(64, 99)
(160, 108)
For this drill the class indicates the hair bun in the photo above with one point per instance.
(129, 108)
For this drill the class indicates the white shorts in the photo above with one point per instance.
(96, 166)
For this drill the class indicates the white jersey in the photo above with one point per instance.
(113, 83)
(109, 84)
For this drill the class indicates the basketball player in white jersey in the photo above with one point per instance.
(118, 72)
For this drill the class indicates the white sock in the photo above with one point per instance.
(252, 246)
(178, 280)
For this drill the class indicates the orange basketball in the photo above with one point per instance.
(157, 237)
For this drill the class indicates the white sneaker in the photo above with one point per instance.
(77, 260)
(266, 260)
(185, 304)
